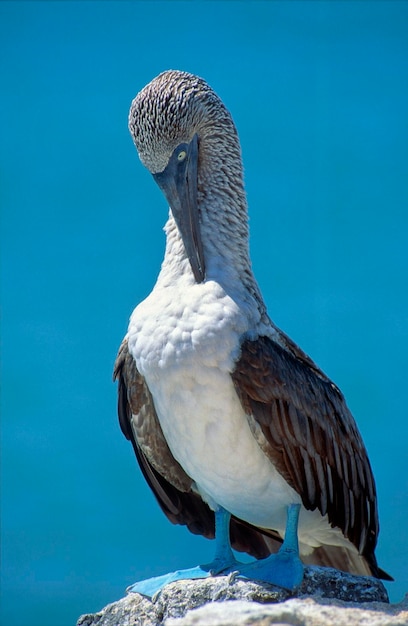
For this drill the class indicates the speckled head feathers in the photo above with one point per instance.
(170, 110)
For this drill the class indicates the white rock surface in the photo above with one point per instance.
(295, 612)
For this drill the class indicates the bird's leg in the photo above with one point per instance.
(284, 569)
(223, 559)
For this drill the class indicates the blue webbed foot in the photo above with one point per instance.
(150, 586)
(284, 569)
(224, 560)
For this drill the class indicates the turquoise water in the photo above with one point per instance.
(319, 93)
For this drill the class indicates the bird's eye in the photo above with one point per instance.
(181, 156)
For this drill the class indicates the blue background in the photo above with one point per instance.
(319, 92)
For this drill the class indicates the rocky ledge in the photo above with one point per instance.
(326, 597)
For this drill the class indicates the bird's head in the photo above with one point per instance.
(175, 121)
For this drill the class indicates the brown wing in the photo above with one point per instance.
(172, 487)
(302, 423)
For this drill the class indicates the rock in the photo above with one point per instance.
(326, 596)
(327, 582)
(295, 612)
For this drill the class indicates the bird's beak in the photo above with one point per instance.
(178, 181)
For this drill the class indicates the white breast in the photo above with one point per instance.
(185, 344)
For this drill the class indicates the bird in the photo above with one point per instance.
(238, 433)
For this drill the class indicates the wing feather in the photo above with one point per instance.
(302, 423)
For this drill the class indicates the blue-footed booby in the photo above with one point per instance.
(238, 432)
